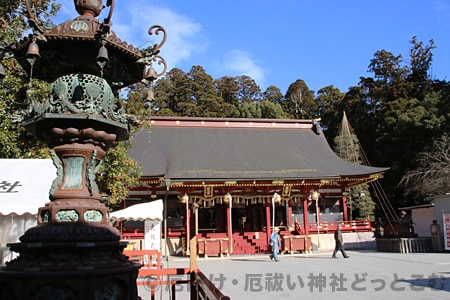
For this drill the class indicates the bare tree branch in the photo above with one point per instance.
(432, 177)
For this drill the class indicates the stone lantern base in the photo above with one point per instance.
(73, 252)
(59, 269)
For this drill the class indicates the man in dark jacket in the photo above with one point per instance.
(339, 243)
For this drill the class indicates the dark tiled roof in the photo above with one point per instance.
(240, 149)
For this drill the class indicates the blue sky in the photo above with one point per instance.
(323, 42)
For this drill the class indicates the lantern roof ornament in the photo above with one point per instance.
(98, 51)
(86, 64)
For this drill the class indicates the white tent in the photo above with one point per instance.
(152, 215)
(24, 187)
(150, 211)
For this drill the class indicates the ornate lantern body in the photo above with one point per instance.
(74, 252)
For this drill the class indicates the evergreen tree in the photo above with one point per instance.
(228, 89)
(261, 110)
(204, 93)
(299, 101)
(273, 94)
(330, 104)
(17, 91)
(401, 112)
(248, 90)
(118, 173)
(135, 101)
(347, 147)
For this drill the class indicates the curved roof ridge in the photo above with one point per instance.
(187, 149)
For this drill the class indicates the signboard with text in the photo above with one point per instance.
(152, 235)
(446, 231)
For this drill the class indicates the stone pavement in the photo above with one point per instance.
(366, 274)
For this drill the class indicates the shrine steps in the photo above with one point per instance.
(249, 243)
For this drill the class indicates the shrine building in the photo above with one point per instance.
(227, 182)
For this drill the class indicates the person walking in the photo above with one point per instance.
(339, 243)
(275, 242)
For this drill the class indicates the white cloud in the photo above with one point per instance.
(184, 37)
(237, 62)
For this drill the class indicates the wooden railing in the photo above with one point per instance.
(136, 234)
(212, 246)
(353, 226)
(204, 289)
(149, 260)
(294, 243)
(151, 272)
(404, 245)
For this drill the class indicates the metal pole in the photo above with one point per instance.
(167, 180)
(188, 225)
(273, 212)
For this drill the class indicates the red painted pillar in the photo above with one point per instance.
(344, 208)
(305, 216)
(268, 218)
(229, 227)
(290, 223)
